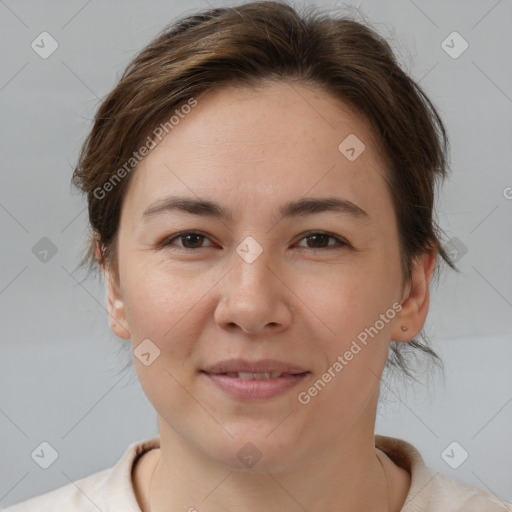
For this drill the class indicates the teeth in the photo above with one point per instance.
(258, 376)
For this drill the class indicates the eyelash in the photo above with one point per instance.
(340, 242)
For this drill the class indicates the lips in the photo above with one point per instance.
(263, 366)
(249, 380)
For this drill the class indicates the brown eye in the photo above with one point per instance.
(192, 239)
(320, 240)
(189, 240)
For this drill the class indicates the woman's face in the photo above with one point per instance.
(266, 276)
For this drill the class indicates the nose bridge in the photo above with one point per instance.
(251, 266)
(252, 296)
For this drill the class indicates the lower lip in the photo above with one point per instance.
(254, 389)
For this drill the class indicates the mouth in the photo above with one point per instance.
(256, 376)
(254, 380)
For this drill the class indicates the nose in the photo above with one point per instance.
(254, 298)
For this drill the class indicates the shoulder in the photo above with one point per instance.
(434, 491)
(109, 490)
(81, 495)
(450, 494)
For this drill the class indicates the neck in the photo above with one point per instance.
(347, 477)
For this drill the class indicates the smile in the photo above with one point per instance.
(254, 386)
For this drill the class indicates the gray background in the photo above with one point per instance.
(60, 365)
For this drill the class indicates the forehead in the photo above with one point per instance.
(260, 146)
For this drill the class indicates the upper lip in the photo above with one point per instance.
(261, 366)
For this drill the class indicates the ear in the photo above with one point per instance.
(415, 299)
(115, 303)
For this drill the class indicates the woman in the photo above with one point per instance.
(260, 187)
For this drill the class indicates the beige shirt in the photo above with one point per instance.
(111, 490)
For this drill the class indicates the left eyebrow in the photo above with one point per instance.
(301, 207)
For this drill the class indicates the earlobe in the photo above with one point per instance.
(115, 304)
(116, 310)
(416, 299)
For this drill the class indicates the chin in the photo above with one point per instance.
(255, 451)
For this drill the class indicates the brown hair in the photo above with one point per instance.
(246, 45)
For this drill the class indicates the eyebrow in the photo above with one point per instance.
(301, 207)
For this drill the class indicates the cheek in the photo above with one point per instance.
(348, 299)
(354, 340)
(355, 307)
(164, 306)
